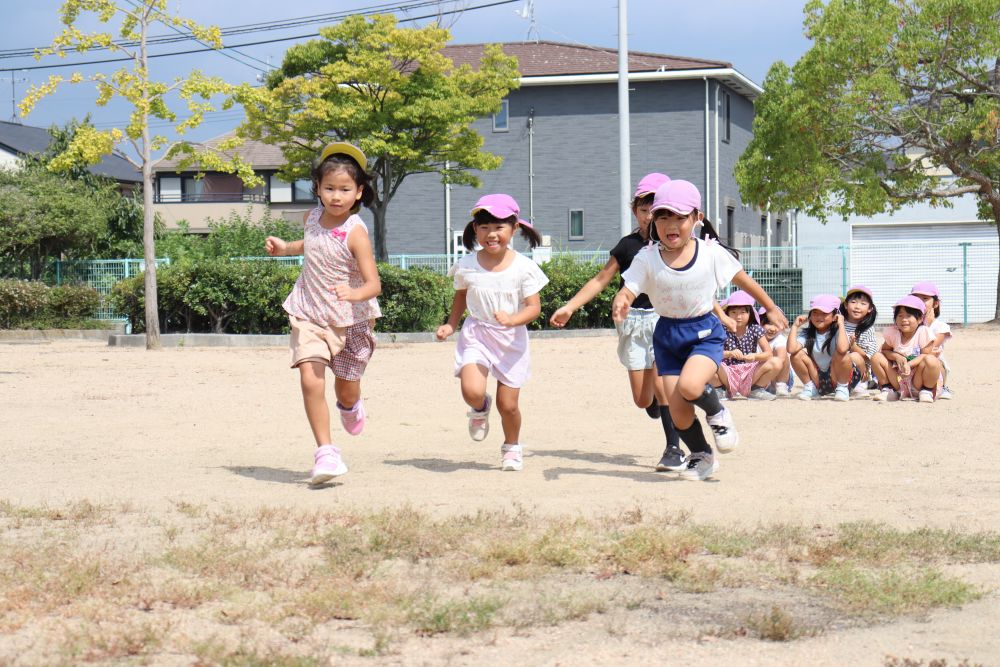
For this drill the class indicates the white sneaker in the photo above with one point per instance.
(781, 389)
(761, 394)
(700, 466)
(842, 393)
(887, 395)
(860, 390)
(511, 458)
(925, 396)
(808, 393)
(945, 394)
(327, 465)
(479, 421)
(724, 430)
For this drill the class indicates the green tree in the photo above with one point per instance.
(897, 101)
(148, 97)
(43, 215)
(388, 90)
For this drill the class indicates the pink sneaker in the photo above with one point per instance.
(328, 465)
(353, 418)
(479, 421)
(511, 457)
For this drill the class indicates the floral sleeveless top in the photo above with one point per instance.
(328, 262)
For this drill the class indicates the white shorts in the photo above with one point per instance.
(635, 339)
(502, 351)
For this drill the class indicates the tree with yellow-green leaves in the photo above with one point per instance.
(390, 91)
(149, 99)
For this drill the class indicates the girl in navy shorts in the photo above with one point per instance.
(681, 274)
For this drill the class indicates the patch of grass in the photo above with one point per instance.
(216, 654)
(883, 545)
(433, 616)
(775, 625)
(893, 661)
(113, 639)
(892, 592)
(652, 551)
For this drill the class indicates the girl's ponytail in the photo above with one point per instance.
(708, 232)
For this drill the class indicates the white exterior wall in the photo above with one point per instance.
(8, 160)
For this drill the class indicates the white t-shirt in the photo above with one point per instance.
(490, 291)
(938, 327)
(780, 340)
(686, 292)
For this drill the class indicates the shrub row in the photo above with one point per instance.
(32, 305)
(238, 296)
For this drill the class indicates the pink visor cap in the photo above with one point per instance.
(910, 301)
(859, 289)
(741, 298)
(681, 197)
(649, 184)
(827, 303)
(500, 207)
(926, 288)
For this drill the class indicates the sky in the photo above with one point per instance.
(749, 35)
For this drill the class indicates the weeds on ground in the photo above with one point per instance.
(399, 573)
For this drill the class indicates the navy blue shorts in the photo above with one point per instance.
(676, 340)
(828, 386)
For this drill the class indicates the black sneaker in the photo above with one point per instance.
(672, 461)
(653, 410)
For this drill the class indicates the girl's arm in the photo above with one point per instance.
(728, 322)
(843, 345)
(750, 286)
(765, 350)
(457, 311)
(793, 345)
(532, 309)
(621, 304)
(279, 248)
(361, 247)
(586, 294)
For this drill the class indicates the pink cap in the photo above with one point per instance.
(499, 206)
(741, 298)
(911, 301)
(859, 288)
(926, 288)
(827, 303)
(681, 197)
(649, 184)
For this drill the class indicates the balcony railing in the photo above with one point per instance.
(210, 198)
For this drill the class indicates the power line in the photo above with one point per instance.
(265, 26)
(256, 43)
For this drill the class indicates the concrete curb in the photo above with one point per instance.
(39, 335)
(278, 340)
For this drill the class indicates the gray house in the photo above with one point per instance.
(558, 134)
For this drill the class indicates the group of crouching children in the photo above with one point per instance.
(834, 349)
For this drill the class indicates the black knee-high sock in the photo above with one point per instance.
(708, 401)
(694, 438)
(673, 440)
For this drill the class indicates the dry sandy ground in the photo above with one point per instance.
(79, 420)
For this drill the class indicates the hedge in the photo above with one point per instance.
(245, 296)
(28, 304)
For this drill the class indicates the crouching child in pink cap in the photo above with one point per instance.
(681, 275)
(820, 351)
(500, 289)
(939, 328)
(858, 309)
(908, 366)
(747, 363)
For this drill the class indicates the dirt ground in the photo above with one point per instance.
(225, 427)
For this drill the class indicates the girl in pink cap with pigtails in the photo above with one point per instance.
(908, 366)
(820, 351)
(939, 328)
(499, 287)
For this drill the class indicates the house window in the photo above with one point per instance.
(763, 230)
(302, 190)
(170, 189)
(281, 192)
(575, 224)
(730, 226)
(727, 117)
(501, 119)
(194, 188)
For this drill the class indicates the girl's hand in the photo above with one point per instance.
(344, 292)
(729, 323)
(504, 318)
(275, 247)
(444, 331)
(904, 368)
(619, 309)
(776, 317)
(799, 321)
(840, 320)
(561, 317)
(738, 355)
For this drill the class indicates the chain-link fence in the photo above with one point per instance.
(964, 272)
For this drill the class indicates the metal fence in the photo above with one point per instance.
(965, 273)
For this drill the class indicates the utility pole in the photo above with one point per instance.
(624, 150)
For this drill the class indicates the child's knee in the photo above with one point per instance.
(506, 405)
